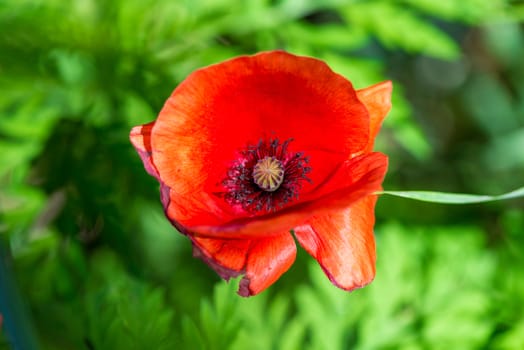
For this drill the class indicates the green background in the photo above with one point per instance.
(97, 265)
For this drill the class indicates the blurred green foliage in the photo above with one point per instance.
(100, 268)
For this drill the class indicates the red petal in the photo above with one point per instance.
(219, 110)
(262, 261)
(377, 99)
(140, 137)
(226, 256)
(354, 180)
(343, 243)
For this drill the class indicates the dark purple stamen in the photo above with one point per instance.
(241, 187)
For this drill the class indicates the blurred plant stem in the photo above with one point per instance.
(19, 330)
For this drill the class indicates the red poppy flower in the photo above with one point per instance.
(255, 148)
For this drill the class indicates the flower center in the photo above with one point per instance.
(265, 177)
(268, 173)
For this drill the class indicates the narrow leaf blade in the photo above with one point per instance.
(453, 198)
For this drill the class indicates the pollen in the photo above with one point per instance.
(268, 174)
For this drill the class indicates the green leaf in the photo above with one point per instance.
(469, 11)
(124, 312)
(398, 27)
(219, 323)
(453, 198)
(412, 265)
(512, 339)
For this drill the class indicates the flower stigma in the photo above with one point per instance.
(268, 174)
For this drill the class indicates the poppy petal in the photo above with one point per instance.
(262, 261)
(354, 180)
(343, 243)
(377, 99)
(140, 137)
(219, 110)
